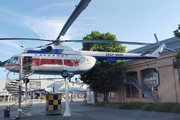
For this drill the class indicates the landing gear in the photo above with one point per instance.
(65, 73)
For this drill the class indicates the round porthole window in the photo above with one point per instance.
(68, 61)
(43, 61)
(59, 61)
(35, 60)
(52, 61)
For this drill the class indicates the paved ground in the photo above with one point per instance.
(92, 113)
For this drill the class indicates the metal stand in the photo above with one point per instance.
(20, 73)
(67, 110)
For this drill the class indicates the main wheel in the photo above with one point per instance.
(65, 73)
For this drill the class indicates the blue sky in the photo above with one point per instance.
(129, 20)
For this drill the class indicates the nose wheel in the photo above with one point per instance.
(65, 73)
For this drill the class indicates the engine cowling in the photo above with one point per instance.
(49, 48)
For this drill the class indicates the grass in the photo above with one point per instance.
(158, 107)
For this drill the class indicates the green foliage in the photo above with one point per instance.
(104, 76)
(99, 104)
(132, 106)
(1, 99)
(149, 107)
(176, 63)
(38, 97)
(43, 98)
(158, 107)
(176, 32)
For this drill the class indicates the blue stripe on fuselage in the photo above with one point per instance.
(122, 57)
(43, 51)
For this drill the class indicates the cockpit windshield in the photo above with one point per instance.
(9, 61)
(15, 60)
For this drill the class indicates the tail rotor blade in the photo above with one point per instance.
(156, 39)
(169, 49)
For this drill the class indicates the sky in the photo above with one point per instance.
(129, 20)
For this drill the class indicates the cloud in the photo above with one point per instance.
(55, 5)
(5, 52)
(9, 43)
(49, 28)
(12, 44)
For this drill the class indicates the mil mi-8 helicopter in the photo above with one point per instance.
(55, 58)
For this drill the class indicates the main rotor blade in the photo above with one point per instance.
(2, 63)
(107, 41)
(81, 6)
(26, 39)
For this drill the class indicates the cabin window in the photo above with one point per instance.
(68, 61)
(43, 61)
(59, 61)
(53, 55)
(40, 55)
(49, 55)
(52, 61)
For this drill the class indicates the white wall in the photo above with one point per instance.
(2, 84)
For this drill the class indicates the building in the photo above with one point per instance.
(151, 80)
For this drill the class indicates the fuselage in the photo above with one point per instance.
(58, 58)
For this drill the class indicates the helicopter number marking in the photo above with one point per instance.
(114, 54)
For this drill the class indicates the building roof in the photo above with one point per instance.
(173, 43)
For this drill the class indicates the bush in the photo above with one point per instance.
(149, 107)
(1, 99)
(158, 107)
(86, 104)
(38, 97)
(132, 106)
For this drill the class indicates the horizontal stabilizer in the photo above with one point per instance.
(145, 53)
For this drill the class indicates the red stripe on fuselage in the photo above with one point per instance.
(68, 62)
(8, 65)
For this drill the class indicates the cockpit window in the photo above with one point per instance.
(9, 61)
(15, 60)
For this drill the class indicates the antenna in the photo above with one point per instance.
(22, 46)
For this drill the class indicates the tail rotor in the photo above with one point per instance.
(166, 48)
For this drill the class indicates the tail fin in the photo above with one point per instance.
(158, 52)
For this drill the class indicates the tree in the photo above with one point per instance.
(177, 33)
(176, 63)
(104, 76)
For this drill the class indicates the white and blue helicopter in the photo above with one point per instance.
(55, 59)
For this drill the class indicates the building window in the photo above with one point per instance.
(132, 91)
(111, 95)
(149, 77)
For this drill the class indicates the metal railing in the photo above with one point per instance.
(13, 88)
(152, 95)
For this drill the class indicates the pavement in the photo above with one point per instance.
(78, 112)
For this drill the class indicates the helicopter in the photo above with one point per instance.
(56, 59)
